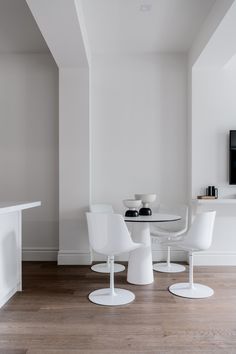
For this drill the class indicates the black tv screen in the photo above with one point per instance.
(232, 157)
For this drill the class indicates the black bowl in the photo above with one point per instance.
(131, 213)
(145, 211)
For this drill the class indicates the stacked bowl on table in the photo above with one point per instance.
(134, 204)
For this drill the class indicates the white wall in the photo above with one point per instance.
(134, 102)
(29, 146)
(139, 127)
(74, 155)
(214, 109)
(138, 117)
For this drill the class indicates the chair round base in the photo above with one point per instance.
(198, 291)
(104, 297)
(104, 268)
(165, 268)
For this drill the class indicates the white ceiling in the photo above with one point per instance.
(18, 30)
(120, 26)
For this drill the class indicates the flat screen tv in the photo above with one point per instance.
(232, 157)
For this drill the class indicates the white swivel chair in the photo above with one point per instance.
(105, 267)
(168, 232)
(198, 238)
(108, 235)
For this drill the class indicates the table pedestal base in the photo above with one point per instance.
(140, 270)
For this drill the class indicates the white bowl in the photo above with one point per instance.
(132, 203)
(146, 198)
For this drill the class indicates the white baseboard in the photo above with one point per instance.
(215, 259)
(200, 259)
(73, 258)
(84, 258)
(6, 297)
(157, 256)
(176, 255)
(43, 254)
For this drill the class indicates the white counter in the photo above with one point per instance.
(6, 207)
(10, 247)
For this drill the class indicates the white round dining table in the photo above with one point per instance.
(140, 271)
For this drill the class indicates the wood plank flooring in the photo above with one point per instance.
(53, 315)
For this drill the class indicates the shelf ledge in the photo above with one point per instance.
(215, 201)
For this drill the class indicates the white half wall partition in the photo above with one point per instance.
(213, 116)
(214, 108)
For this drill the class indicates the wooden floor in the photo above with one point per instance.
(53, 315)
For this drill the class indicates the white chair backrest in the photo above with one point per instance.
(200, 234)
(101, 208)
(179, 225)
(108, 233)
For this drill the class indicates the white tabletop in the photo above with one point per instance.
(157, 217)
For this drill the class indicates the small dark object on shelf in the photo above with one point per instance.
(212, 191)
(206, 197)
